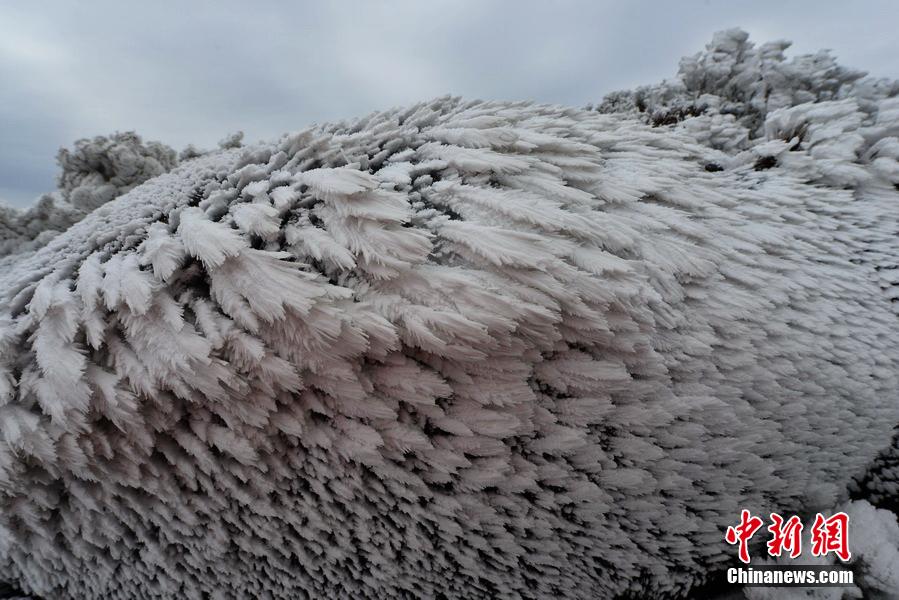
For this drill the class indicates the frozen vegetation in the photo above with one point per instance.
(462, 349)
(91, 174)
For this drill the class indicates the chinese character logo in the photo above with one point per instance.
(742, 533)
(786, 536)
(828, 535)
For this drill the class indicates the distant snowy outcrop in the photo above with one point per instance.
(92, 173)
(103, 168)
(463, 349)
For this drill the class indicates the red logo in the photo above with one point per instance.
(828, 535)
(742, 533)
(785, 536)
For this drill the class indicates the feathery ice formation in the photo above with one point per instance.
(461, 350)
(809, 116)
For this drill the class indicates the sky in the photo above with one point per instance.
(192, 72)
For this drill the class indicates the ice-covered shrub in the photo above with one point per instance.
(732, 76)
(97, 170)
(92, 173)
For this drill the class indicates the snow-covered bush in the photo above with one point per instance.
(733, 85)
(232, 140)
(92, 173)
(462, 350)
(31, 228)
(97, 170)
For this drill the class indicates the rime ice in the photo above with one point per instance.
(478, 349)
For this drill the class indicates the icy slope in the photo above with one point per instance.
(475, 349)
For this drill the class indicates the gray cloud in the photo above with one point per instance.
(193, 71)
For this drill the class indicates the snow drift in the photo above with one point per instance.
(461, 350)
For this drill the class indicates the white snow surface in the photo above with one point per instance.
(469, 349)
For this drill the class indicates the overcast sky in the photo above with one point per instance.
(182, 72)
